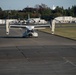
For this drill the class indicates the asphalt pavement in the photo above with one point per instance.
(46, 55)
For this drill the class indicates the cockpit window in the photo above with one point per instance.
(30, 30)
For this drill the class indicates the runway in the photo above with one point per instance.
(46, 55)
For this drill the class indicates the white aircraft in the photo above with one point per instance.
(29, 29)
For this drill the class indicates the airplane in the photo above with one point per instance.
(29, 29)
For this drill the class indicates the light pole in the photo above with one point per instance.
(9, 12)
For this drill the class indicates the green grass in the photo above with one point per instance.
(65, 31)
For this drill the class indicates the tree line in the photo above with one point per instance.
(42, 11)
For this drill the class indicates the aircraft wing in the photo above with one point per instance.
(28, 26)
(17, 26)
(41, 26)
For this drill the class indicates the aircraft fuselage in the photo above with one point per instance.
(30, 33)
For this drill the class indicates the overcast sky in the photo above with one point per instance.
(20, 4)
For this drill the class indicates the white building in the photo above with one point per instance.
(37, 21)
(74, 20)
(65, 19)
(3, 21)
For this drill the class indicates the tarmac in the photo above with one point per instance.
(46, 55)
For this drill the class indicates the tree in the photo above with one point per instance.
(0, 9)
(73, 9)
(40, 10)
(59, 10)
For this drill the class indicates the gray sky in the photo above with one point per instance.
(20, 4)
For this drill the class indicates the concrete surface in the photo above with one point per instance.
(45, 55)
